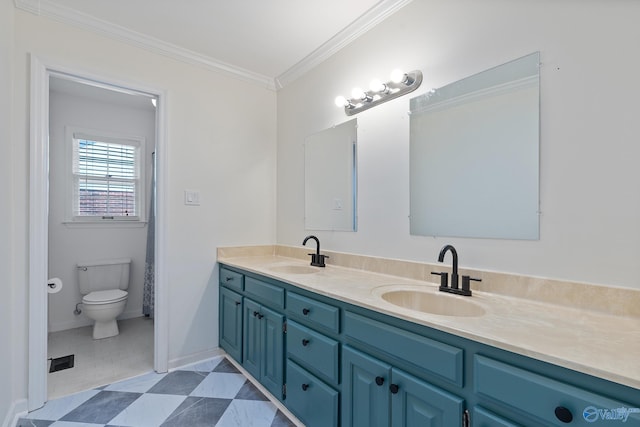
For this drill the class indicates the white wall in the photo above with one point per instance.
(590, 182)
(9, 355)
(221, 141)
(69, 245)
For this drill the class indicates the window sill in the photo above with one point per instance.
(105, 224)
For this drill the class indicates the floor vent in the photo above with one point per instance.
(61, 363)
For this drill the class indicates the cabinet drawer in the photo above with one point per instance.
(540, 397)
(426, 354)
(313, 350)
(311, 400)
(231, 279)
(264, 292)
(313, 313)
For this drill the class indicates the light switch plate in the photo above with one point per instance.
(192, 197)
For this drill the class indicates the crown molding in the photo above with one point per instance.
(357, 28)
(364, 23)
(69, 16)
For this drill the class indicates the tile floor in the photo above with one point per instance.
(208, 393)
(100, 362)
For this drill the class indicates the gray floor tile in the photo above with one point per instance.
(227, 367)
(250, 392)
(102, 407)
(178, 382)
(281, 420)
(23, 422)
(197, 412)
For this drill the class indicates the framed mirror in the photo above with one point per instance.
(474, 155)
(330, 178)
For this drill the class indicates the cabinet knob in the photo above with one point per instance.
(379, 380)
(305, 342)
(393, 388)
(255, 314)
(563, 414)
(238, 303)
(260, 316)
(305, 387)
(305, 311)
(229, 279)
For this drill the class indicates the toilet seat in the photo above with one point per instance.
(105, 297)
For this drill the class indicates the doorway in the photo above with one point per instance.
(40, 173)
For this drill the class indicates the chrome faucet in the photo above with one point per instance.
(317, 259)
(466, 280)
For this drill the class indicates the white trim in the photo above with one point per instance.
(17, 410)
(195, 357)
(73, 17)
(357, 28)
(41, 70)
(38, 233)
(364, 23)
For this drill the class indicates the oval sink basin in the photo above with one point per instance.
(294, 269)
(433, 303)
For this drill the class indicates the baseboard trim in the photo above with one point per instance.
(18, 410)
(195, 357)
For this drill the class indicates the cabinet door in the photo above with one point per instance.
(272, 363)
(416, 403)
(231, 323)
(251, 343)
(365, 390)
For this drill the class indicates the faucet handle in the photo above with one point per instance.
(466, 284)
(444, 279)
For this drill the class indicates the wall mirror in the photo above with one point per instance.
(474, 155)
(330, 178)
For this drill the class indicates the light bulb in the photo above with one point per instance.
(398, 76)
(341, 101)
(377, 86)
(358, 93)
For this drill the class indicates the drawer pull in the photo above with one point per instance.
(229, 279)
(305, 342)
(379, 380)
(238, 302)
(563, 414)
(255, 314)
(305, 311)
(393, 388)
(305, 387)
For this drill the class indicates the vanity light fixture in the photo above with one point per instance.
(400, 83)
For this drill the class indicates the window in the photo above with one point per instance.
(107, 175)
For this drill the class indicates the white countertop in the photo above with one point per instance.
(603, 345)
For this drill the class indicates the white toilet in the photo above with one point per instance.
(103, 285)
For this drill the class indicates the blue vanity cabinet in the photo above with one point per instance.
(231, 323)
(263, 345)
(376, 394)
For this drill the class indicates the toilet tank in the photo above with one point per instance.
(103, 275)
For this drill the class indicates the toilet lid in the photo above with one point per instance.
(101, 297)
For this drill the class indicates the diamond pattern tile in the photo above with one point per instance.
(209, 393)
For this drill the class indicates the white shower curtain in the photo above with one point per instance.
(149, 267)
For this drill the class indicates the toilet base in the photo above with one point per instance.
(105, 329)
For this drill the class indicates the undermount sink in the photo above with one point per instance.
(432, 302)
(294, 269)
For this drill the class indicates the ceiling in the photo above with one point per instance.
(270, 41)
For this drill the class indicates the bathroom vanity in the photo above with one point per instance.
(336, 351)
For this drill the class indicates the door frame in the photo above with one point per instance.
(41, 70)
